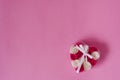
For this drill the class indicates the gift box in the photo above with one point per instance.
(83, 57)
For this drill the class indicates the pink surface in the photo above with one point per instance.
(35, 36)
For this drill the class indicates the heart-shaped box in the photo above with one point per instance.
(83, 57)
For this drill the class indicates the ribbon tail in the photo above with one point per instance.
(80, 64)
(80, 48)
(89, 56)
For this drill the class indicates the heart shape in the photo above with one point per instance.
(83, 57)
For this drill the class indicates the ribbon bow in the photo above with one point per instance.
(84, 50)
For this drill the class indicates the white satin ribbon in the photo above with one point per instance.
(84, 50)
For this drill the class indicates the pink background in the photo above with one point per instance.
(35, 36)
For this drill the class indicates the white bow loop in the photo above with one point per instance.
(84, 49)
